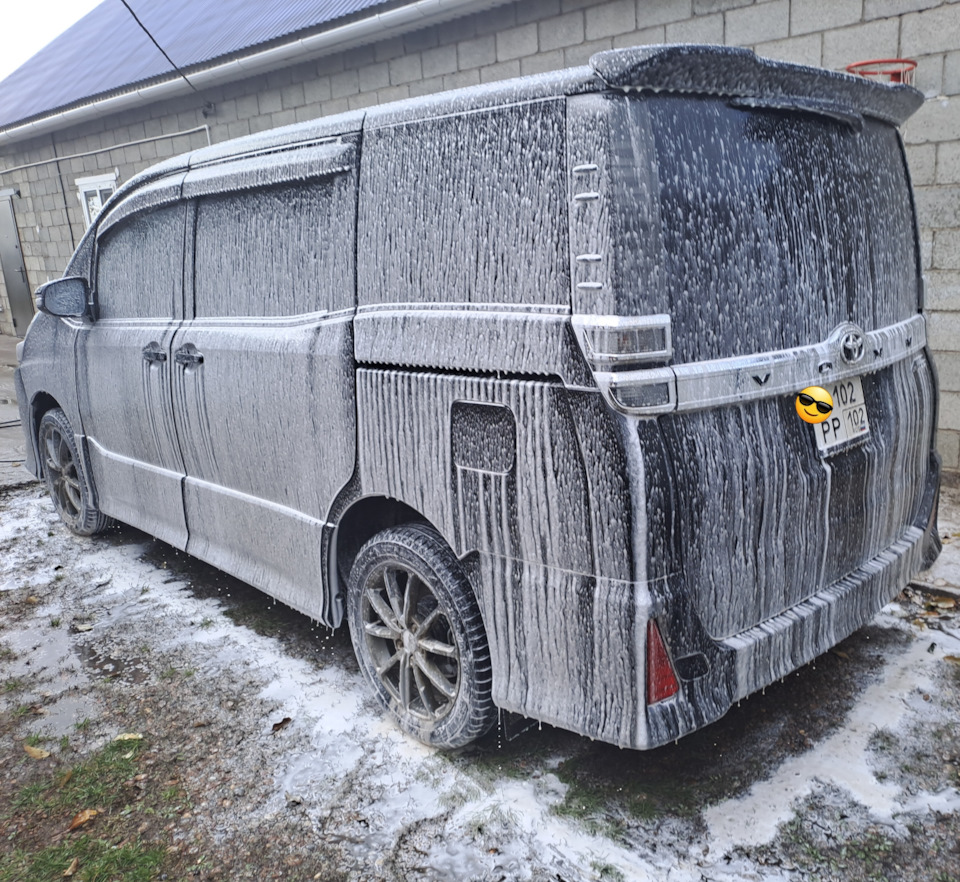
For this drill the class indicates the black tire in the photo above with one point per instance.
(419, 638)
(66, 480)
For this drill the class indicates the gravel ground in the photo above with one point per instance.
(261, 755)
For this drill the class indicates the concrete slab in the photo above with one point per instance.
(12, 444)
(944, 576)
(8, 350)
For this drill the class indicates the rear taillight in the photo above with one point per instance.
(628, 357)
(642, 392)
(618, 343)
(661, 680)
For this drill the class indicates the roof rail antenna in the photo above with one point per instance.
(208, 107)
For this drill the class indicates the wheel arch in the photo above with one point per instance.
(40, 405)
(66, 474)
(361, 521)
(429, 664)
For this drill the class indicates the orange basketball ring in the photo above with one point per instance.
(899, 70)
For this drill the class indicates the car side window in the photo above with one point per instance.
(283, 250)
(140, 266)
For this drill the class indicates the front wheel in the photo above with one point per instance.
(66, 480)
(419, 638)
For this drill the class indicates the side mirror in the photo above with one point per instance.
(65, 298)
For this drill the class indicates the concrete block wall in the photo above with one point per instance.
(530, 37)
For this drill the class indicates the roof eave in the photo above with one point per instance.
(372, 28)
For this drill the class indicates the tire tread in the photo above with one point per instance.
(428, 546)
(92, 520)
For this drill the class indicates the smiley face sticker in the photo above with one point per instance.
(814, 404)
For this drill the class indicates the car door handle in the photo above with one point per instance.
(188, 355)
(152, 352)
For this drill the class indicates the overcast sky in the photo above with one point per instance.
(28, 25)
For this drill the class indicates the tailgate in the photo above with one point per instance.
(728, 251)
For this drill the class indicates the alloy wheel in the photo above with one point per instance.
(61, 467)
(411, 643)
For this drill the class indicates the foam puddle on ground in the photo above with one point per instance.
(346, 761)
(353, 754)
(842, 759)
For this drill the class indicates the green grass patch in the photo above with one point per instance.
(172, 673)
(94, 783)
(871, 856)
(606, 795)
(267, 621)
(97, 861)
(883, 741)
(40, 845)
(31, 795)
(607, 871)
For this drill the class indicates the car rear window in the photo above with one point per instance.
(759, 229)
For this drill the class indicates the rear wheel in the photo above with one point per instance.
(419, 638)
(69, 486)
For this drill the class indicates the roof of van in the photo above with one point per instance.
(693, 69)
(523, 89)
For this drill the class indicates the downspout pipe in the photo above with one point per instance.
(379, 26)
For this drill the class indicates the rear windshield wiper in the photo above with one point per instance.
(838, 112)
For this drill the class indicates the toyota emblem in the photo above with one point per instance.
(851, 347)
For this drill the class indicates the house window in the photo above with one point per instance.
(93, 193)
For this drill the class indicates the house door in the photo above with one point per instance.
(11, 262)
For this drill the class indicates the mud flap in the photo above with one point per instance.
(514, 725)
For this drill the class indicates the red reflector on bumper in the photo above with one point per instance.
(661, 679)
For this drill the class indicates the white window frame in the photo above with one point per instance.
(94, 186)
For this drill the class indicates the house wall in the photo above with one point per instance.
(529, 37)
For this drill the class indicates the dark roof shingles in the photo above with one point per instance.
(106, 50)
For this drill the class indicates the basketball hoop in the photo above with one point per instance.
(899, 70)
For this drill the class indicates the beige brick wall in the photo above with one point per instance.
(530, 37)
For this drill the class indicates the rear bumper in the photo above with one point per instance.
(780, 645)
(744, 663)
(569, 649)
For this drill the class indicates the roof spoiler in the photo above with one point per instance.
(739, 73)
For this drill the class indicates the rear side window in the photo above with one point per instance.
(140, 266)
(468, 208)
(276, 251)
